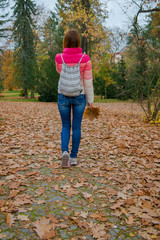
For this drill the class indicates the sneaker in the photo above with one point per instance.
(73, 161)
(65, 160)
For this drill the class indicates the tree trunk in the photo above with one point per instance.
(26, 93)
(149, 107)
(156, 110)
(105, 93)
(84, 44)
(32, 94)
(86, 5)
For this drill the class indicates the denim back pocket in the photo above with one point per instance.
(61, 99)
(80, 99)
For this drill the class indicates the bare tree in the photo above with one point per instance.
(151, 107)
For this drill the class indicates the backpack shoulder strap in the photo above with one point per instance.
(81, 58)
(62, 58)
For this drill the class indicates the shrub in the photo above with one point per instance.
(22, 93)
(48, 80)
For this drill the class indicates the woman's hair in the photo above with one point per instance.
(71, 39)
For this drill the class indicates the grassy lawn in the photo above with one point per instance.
(9, 91)
(98, 99)
(18, 100)
(15, 96)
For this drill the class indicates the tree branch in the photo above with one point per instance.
(135, 3)
(136, 25)
(149, 10)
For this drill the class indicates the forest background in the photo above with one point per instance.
(125, 62)
(113, 192)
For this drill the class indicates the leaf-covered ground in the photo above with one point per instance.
(113, 193)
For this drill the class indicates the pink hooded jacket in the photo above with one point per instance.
(71, 57)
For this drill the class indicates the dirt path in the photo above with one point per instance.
(111, 194)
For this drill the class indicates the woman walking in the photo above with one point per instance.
(75, 91)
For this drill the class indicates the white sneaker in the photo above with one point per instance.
(65, 160)
(73, 161)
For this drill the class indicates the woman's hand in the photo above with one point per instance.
(89, 105)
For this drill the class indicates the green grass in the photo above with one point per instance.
(14, 96)
(13, 91)
(17, 95)
(11, 96)
(18, 100)
(98, 99)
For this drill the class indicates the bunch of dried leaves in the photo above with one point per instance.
(91, 113)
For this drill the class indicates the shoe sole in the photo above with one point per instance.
(65, 162)
(73, 164)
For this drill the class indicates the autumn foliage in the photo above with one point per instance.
(8, 70)
(156, 23)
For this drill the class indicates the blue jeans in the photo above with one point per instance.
(65, 104)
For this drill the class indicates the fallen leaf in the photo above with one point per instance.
(129, 220)
(87, 195)
(40, 190)
(62, 225)
(71, 192)
(44, 228)
(10, 219)
(53, 219)
(2, 203)
(14, 185)
(10, 177)
(99, 216)
(122, 195)
(23, 217)
(13, 193)
(3, 236)
(117, 205)
(145, 235)
(98, 230)
(83, 214)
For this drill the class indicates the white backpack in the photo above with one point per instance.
(70, 79)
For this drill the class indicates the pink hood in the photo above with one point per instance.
(72, 55)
